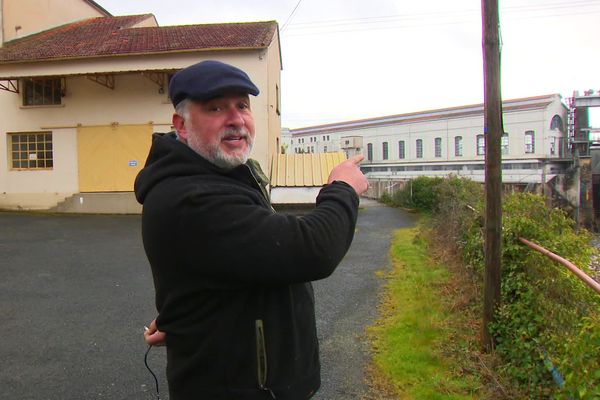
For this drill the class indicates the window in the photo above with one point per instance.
(557, 123)
(370, 151)
(480, 145)
(42, 92)
(553, 145)
(529, 142)
(347, 142)
(458, 151)
(31, 150)
(385, 150)
(324, 149)
(438, 146)
(419, 148)
(401, 149)
(504, 143)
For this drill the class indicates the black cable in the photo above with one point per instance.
(153, 375)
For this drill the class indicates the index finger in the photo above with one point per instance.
(357, 158)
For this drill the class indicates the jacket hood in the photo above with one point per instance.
(168, 157)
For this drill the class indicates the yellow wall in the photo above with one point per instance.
(38, 15)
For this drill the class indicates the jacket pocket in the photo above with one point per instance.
(261, 354)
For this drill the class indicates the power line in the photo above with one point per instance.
(416, 20)
(291, 15)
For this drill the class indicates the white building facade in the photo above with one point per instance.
(450, 141)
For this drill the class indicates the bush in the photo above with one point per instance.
(547, 316)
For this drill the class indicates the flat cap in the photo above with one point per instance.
(209, 79)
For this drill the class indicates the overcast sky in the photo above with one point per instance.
(353, 59)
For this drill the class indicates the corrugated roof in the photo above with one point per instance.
(110, 36)
(303, 170)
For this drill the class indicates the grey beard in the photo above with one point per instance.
(224, 161)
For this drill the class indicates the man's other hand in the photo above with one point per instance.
(153, 336)
(349, 172)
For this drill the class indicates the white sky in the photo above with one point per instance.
(353, 59)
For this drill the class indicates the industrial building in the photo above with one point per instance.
(547, 146)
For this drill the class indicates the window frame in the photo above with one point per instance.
(458, 147)
(385, 150)
(55, 85)
(480, 145)
(369, 151)
(437, 146)
(504, 144)
(419, 148)
(33, 151)
(401, 149)
(529, 147)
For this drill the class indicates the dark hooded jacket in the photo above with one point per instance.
(232, 276)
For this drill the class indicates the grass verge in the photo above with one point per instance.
(423, 342)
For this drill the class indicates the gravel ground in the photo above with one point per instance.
(76, 291)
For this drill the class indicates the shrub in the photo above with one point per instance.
(547, 316)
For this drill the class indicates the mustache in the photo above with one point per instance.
(241, 132)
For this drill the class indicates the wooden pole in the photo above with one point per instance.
(493, 129)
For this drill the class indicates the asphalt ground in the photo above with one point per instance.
(76, 291)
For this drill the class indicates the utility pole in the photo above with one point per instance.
(493, 129)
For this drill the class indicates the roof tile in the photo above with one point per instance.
(108, 36)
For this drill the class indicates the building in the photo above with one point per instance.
(450, 141)
(83, 91)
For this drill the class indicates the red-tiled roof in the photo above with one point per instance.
(109, 36)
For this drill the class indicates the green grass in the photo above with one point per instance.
(419, 334)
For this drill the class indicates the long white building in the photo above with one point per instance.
(449, 141)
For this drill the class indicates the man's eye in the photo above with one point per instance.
(215, 109)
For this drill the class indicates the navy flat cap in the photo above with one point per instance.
(207, 80)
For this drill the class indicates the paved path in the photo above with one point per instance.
(75, 292)
(347, 301)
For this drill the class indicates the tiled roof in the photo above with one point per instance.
(109, 36)
(306, 170)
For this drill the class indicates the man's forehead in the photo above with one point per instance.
(225, 96)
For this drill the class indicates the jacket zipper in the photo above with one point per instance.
(261, 357)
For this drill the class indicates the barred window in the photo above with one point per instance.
(458, 148)
(401, 149)
(529, 142)
(480, 145)
(370, 151)
(42, 92)
(385, 150)
(419, 148)
(438, 146)
(31, 150)
(504, 143)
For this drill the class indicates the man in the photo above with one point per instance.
(232, 276)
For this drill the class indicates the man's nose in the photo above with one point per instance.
(235, 117)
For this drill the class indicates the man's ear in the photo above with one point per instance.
(179, 124)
